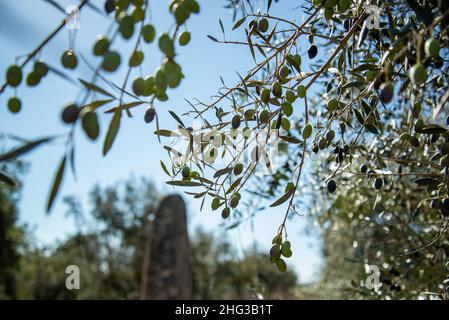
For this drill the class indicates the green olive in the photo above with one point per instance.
(185, 172)
(263, 25)
(418, 74)
(14, 76)
(69, 60)
(101, 46)
(287, 108)
(111, 61)
(14, 105)
(90, 124)
(138, 86)
(432, 48)
(265, 95)
(166, 45)
(136, 58)
(148, 33)
(301, 91)
(307, 131)
(33, 79)
(184, 38)
(40, 68)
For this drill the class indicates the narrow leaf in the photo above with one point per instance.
(112, 132)
(56, 184)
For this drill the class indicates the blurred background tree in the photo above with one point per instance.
(108, 248)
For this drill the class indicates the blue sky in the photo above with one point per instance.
(136, 151)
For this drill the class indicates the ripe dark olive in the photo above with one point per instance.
(322, 144)
(149, 115)
(414, 141)
(447, 120)
(331, 186)
(312, 52)
(225, 212)
(386, 92)
(315, 148)
(445, 205)
(438, 62)
(70, 113)
(347, 24)
(445, 148)
(363, 168)
(435, 204)
(234, 202)
(236, 121)
(109, 6)
(185, 172)
(378, 183)
(340, 157)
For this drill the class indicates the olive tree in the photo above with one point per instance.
(358, 85)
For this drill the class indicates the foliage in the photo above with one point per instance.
(12, 235)
(108, 248)
(366, 99)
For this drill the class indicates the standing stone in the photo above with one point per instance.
(166, 269)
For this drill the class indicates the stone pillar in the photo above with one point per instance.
(166, 270)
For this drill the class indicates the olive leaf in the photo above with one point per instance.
(95, 88)
(165, 169)
(56, 184)
(11, 155)
(9, 181)
(239, 23)
(183, 183)
(112, 132)
(284, 198)
(426, 181)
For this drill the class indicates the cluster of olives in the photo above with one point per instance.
(275, 95)
(418, 73)
(441, 205)
(258, 27)
(278, 250)
(14, 78)
(329, 7)
(71, 112)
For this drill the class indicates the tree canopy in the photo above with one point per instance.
(356, 92)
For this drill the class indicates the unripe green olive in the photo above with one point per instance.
(69, 60)
(432, 48)
(111, 61)
(136, 58)
(101, 46)
(148, 33)
(307, 131)
(185, 172)
(418, 74)
(14, 105)
(14, 76)
(184, 38)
